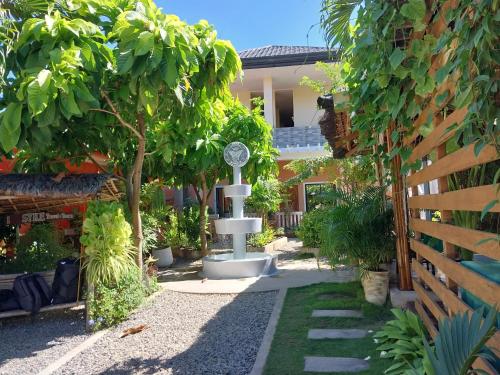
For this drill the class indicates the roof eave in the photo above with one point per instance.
(287, 60)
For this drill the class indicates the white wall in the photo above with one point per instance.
(305, 112)
(244, 97)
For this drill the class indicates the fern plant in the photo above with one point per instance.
(106, 236)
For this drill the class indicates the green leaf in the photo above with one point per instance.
(170, 74)
(37, 97)
(422, 89)
(220, 51)
(464, 98)
(145, 43)
(441, 98)
(124, 61)
(414, 9)
(8, 139)
(148, 98)
(396, 58)
(11, 119)
(69, 105)
(43, 79)
(488, 207)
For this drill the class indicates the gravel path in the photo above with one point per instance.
(27, 346)
(188, 334)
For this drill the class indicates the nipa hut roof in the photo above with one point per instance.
(27, 192)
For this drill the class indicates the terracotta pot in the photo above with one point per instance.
(376, 286)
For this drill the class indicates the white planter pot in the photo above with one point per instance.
(164, 257)
(376, 286)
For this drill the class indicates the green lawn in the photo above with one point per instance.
(290, 343)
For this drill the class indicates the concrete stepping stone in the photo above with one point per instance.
(320, 334)
(330, 296)
(337, 314)
(335, 364)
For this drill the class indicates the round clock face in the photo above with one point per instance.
(236, 154)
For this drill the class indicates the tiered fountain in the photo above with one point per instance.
(239, 263)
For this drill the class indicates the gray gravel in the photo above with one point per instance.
(27, 345)
(188, 334)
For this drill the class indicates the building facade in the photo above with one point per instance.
(274, 73)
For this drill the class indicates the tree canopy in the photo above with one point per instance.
(97, 75)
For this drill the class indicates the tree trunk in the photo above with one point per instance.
(136, 191)
(202, 200)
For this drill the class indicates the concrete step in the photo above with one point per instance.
(337, 314)
(320, 334)
(335, 364)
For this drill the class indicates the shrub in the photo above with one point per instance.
(108, 245)
(402, 341)
(311, 226)
(38, 250)
(110, 304)
(263, 238)
(266, 197)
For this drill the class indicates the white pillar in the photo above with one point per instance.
(269, 100)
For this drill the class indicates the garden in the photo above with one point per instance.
(143, 99)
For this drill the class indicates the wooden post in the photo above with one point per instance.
(402, 245)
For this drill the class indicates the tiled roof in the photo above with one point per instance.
(298, 137)
(272, 56)
(272, 51)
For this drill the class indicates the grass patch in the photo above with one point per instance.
(290, 343)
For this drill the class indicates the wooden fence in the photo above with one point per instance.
(440, 279)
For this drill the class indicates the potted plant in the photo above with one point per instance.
(359, 228)
(156, 240)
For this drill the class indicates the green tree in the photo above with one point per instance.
(201, 163)
(266, 197)
(98, 74)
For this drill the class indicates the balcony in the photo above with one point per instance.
(298, 139)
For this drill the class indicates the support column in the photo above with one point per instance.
(269, 100)
(398, 202)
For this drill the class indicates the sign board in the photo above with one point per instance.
(36, 217)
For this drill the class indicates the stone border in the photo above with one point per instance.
(274, 245)
(265, 346)
(73, 353)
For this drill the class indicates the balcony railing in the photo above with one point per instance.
(298, 137)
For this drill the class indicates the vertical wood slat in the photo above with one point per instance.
(446, 217)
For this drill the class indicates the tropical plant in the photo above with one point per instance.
(265, 198)
(336, 21)
(334, 83)
(402, 341)
(311, 226)
(356, 172)
(461, 340)
(359, 227)
(111, 304)
(261, 239)
(38, 250)
(106, 235)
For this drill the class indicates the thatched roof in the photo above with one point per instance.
(27, 192)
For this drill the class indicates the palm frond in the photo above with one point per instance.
(335, 21)
(460, 342)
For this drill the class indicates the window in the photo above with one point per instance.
(315, 193)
